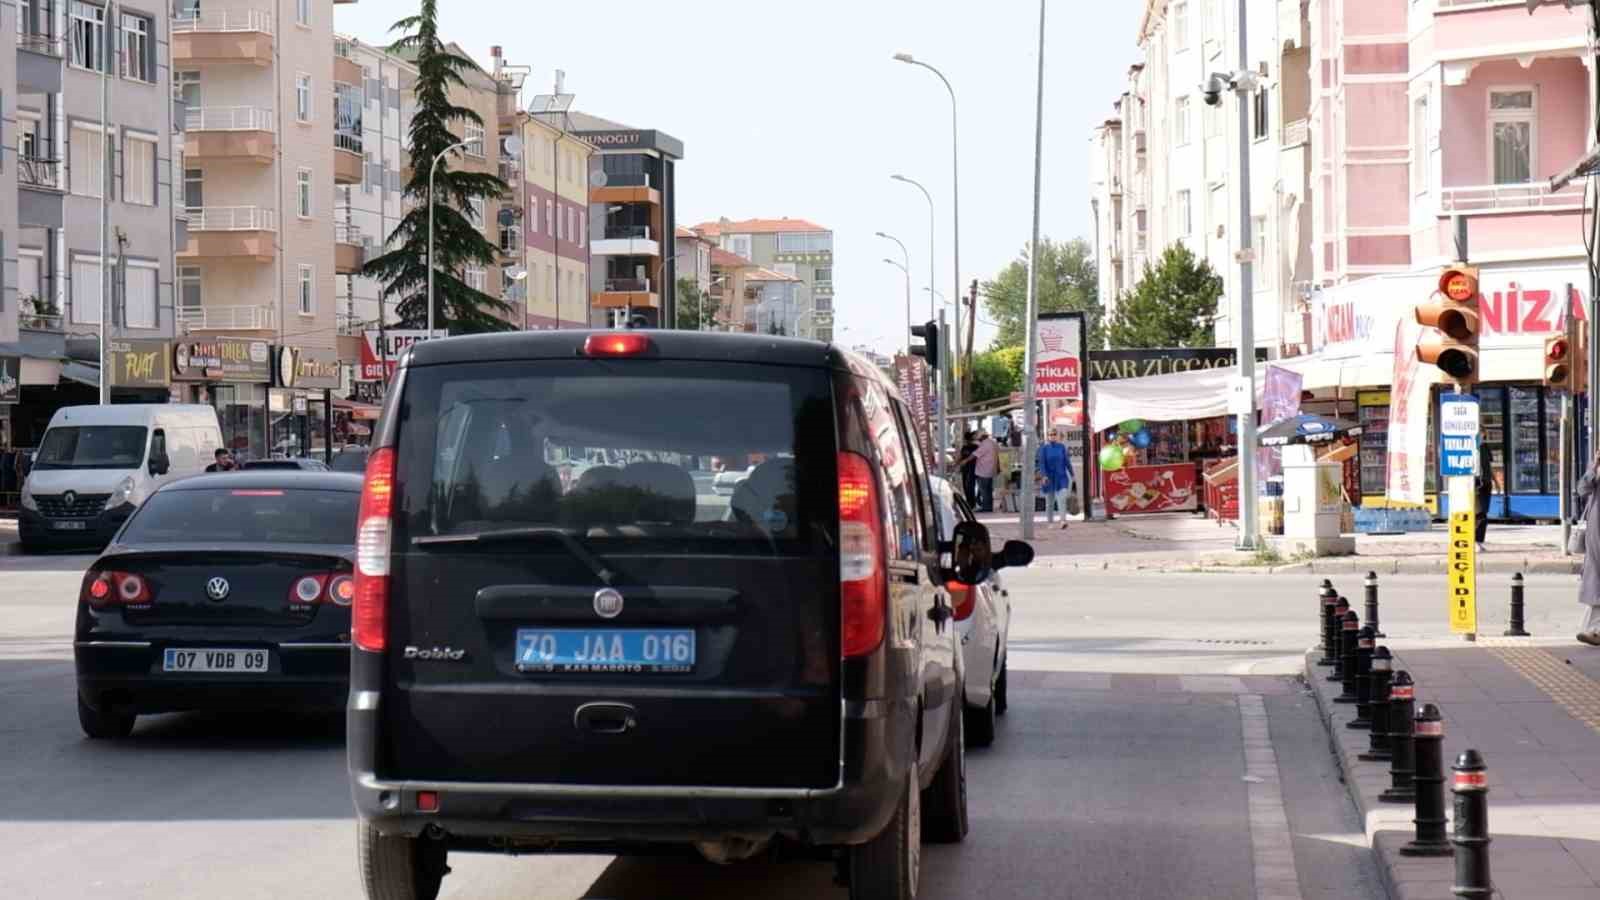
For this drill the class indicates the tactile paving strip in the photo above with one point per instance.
(1575, 692)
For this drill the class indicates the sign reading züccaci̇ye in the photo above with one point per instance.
(1057, 370)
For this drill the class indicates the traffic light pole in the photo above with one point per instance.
(1461, 488)
(943, 437)
(1569, 431)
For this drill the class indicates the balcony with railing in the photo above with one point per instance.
(345, 67)
(40, 200)
(1481, 29)
(244, 133)
(621, 292)
(227, 318)
(349, 248)
(231, 232)
(1529, 196)
(349, 158)
(37, 173)
(223, 37)
(1296, 133)
(625, 187)
(626, 240)
(39, 60)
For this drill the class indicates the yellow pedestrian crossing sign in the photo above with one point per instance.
(1463, 569)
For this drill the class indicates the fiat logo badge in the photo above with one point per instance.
(607, 603)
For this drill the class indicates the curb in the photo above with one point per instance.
(1383, 565)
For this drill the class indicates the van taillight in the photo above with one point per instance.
(862, 588)
(369, 615)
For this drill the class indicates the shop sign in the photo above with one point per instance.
(1107, 365)
(911, 376)
(307, 368)
(1151, 489)
(380, 351)
(1056, 365)
(10, 379)
(367, 392)
(222, 359)
(140, 363)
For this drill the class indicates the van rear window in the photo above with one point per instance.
(625, 450)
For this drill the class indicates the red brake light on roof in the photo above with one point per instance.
(624, 344)
(369, 617)
(256, 493)
(862, 591)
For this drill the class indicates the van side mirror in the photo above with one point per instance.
(160, 465)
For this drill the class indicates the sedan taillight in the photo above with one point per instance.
(108, 588)
(329, 587)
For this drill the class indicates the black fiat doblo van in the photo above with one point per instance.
(566, 641)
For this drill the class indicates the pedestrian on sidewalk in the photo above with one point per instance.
(1589, 589)
(1054, 466)
(1484, 488)
(986, 465)
(965, 462)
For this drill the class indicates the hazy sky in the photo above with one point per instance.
(796, 109)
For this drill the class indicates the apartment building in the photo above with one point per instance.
(793, 247)
(554, 229)
(632, 222)
(730, 290)
(693, 254)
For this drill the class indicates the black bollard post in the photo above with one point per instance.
(1402, 750)
(1428, 738)
(1516, 629)
(1378, 740)
(1336, 638)
(1327, 597)
(1364, 650)
(1471, 835)
(1372, 604)
(1351, 639)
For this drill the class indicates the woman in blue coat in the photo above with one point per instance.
(1054, 467)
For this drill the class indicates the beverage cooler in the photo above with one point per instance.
(1520, 425)
(1372, 412)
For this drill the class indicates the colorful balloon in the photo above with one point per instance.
(1131, 426)
(1141, 438)
(1111, 458)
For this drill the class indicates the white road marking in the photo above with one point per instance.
(1276, 877)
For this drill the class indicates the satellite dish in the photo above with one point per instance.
(513, 145)
(597, 178)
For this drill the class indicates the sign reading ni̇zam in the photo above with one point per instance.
(1463, 575)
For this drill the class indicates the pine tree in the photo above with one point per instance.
(1173, 304)
(403, 270)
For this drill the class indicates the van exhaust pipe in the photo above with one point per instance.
(731, 849)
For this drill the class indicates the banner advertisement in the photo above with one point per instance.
(1057, 371)
(911, 376)
(1151, 489)
(380, 351)
(10, 379)
(1280, 399)
(1408, 418)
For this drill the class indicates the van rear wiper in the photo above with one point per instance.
(564, 536)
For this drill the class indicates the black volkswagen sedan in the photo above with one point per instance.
(222, 592)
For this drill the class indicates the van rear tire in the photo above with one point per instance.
(396, 867)
(889, 866)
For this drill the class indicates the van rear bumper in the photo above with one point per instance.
(531, 817)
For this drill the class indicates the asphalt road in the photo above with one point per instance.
(1126, 767)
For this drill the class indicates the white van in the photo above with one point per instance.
(96, 464)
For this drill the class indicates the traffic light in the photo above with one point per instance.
(1558, 362)
(1451, 317)
(929, 332)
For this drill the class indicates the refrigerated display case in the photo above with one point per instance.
(1521, 424)
(1373, 415)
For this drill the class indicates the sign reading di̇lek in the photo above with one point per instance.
(1057, 372)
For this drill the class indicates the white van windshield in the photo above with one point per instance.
(92, 447)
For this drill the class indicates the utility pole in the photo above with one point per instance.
(1031, 313)
(1249, 529)
(972, 329)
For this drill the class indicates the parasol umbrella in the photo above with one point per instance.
(1305, 429)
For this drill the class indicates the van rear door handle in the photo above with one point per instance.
(605, 718)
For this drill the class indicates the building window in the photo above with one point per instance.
(474, 136)
(1258, 242)
(88, 36)
(1180, 121)
(189, 296)
(823, 275)
(86, 163)
(1419, 146)
(583, 229)
(138, 58)
(793, 242)
(302, 179)
(1259, 104)
(550, 217)
(1512, 115)
(308, 299)
(139, 294)
(510, 239)
(86, 304)
(302, 12)
(475, 211)
(302, 97)
(1180, 26)
(1181, 221)
(476, 278)
(194, 183)
(138, 170)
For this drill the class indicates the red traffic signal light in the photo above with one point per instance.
(1557, 362)
(1451, 315)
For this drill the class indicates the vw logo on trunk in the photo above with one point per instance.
(607, 603)
(217, 588)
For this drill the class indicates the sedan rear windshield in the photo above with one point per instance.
(239, 515)
(619, 451)
(92, 447)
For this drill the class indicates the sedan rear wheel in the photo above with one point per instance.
(396, 867)
(104, 724)
(1000, 692)
(889, 866)
(980, 724)
(946, 799)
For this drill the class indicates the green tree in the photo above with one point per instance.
(996, 374)
(1172, 305)
(696, 307)
(1068, 282)
(458, 243)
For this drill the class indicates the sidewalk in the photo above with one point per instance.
(1533, 711)
(1183, 542)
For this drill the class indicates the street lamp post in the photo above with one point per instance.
(936, 375)
(906, 268)
(955, 192)
(433, 169)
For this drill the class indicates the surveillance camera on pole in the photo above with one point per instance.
(1244, 81)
